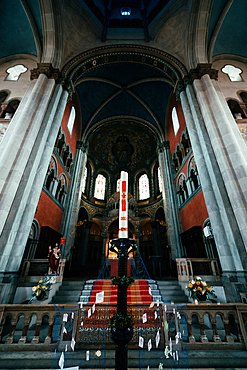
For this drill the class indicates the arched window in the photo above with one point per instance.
(144, 192)
(182, 189)
(99, 191)
(159, 180)
(71, 120)
(118, 185)
(84, 180)
(14, 72)
(51, 175)
(194, 178)
(175, 121)
(61, 189)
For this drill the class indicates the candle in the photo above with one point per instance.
(123, 209)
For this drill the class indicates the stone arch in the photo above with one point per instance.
(182, 190)
(10, 109)
(32, 241)
(61, 188)
(235, 109)
(217, 28)
(52, 32)
(51, 174)
(197, 48)
(192, 173)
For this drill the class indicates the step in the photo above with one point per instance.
(71, 299)
(136, 359)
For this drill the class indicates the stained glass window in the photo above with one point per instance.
(144, 187)
(159, 180)
(118, 185)
(175, 120)
(99, 191)
(84, 180)
(71, 120)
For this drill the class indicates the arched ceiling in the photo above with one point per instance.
(229, 27)
(124, 89)
(18, 20)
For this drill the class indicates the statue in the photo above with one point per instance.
(53, 258)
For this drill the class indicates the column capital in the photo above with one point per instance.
(181, 85)
(67, 86)
(82, 146)
(46, 69)
(203, 69)
(162, 146)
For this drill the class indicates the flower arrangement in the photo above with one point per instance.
(40, 290)
(124, 280)
(200, 288)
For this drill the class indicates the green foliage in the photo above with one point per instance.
(119, 322)
(124, 281)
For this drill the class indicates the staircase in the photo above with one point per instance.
(69, 291)
(171, 291)
(141, 292)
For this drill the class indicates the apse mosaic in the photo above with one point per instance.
(122, 145)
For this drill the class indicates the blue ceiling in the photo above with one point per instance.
(154, 95)
(15, 29)
(233, 31)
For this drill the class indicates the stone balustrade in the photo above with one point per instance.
(202, 326)
(188, 268)
(36, 268)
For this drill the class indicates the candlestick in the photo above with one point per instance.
(123, 209)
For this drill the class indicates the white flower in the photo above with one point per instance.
(34, 288)
(192, 281)
(198, 278)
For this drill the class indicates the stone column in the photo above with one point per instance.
(212, 155)
(22, 149)
(207, 169)
(229, 149)
(73, 198)
(170, 201)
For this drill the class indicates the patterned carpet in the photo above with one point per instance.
(138, 293)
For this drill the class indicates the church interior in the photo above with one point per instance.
(91, 88)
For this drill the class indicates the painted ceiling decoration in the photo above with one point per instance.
(122, 144)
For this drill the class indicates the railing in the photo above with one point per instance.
(190, 267)
(202, 326)
(33, 268)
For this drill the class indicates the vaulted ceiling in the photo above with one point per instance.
(21, 21)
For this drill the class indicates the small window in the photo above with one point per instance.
(99, 191)
(71, 120)
(159, 180)
(84, 180)
(175, 121)
(118, 185)
(233, 72)
(144, 187)
(14, 72)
